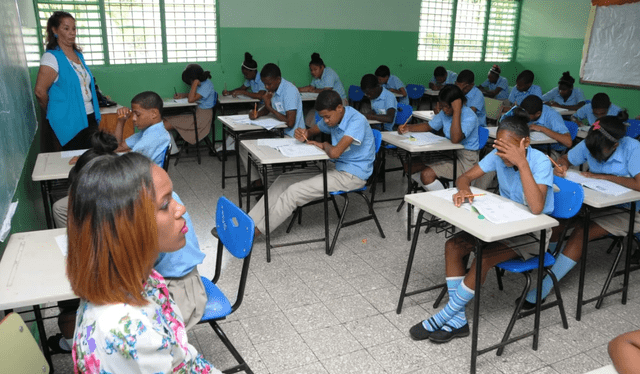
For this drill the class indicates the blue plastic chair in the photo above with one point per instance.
(355, 96)
(345, 194)
(483, 136)
(403, 113)
(235, 231)
(165, 158)
(415, 93)
(573, 129)
(633, 131)
(566, 204)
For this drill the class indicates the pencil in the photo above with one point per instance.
(554, 163)
(255, 109)
(407, 121)
(476, 195)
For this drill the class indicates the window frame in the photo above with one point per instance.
(485, 36)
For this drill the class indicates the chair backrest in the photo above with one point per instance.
(492, 107)
(377, 136)
(633, 131)
(235, 228)
(165, 158)
(415, 91)
(483, 136)
(355, 93)
(377, 163)
(567, 201)
(19, 352)
(573, 129)
(403, 113)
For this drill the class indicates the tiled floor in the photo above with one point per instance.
(306, 312)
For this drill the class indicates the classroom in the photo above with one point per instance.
(305, 311)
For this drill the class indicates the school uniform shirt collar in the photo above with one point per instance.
(281, 87)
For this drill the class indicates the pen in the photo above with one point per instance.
(176, 91)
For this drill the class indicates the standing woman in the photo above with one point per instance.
(202, 92)
(252, 80)
(324, 78)
(65, 88)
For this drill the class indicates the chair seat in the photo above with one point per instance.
(390, 146)
(519, 266)
(336, 193)
(218, 305)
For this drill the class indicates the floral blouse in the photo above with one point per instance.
(121, 338)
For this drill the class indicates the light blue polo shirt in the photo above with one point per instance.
(475, 99)
(382, 103)
(451, 78)
(396, 84)
(502, 83)
(151, 142)
(586, 111)
(554, 95)
(468, 124)
(180, 263)
(255, 84)
(552, 120)
(286, 98)
(358, 158)
(509, 179)
(205, 89)
(624, 162)
(330, 79)
(516, 97)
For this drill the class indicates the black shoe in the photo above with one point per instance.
(527, 305)
(214, 232)
(255, 186)
(635, 258)
(54, 344)
(442, 336)
(418, 332)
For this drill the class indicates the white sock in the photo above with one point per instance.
(416, 178)
(174, 146)
(435, 186)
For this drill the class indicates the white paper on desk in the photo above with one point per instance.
(184, 100)
(538, 136)
(243, 97)
(62, 242)
(301, 150)
(278, 142)
(585, 128)
(491, 207)
(240, 118)
(599, 185)
(422, 138)
(266, 123)
(308, 95)
(70, 154)
(560, 110)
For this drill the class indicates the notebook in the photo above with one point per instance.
(599, 185)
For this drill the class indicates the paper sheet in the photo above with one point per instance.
(537, 136)
(278, 142)
(182, 101)
(599, 185)
(70, 154)
(62, 242)
(308, 95)
(240, 118)
(301, 150)
(266, 123)
(422, 138)
(560, 110)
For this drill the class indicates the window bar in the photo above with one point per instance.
(487, 15)
(38, 27)
(516, 30)
(163, 32)
(452, 30)
(105, 38)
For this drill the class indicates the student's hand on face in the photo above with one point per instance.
(195, 82)
(403, 129)
(460, 197)
(560, 171)
(124, 113)
(437, 109)
(301, 135)
(456, 105)
(515, 154)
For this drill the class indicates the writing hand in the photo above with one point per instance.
(560, 171)
(403, 129)
(225, 93)
(460, 196)
(301, 135)
(176, 96)
(253, 115)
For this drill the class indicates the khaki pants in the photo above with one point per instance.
(189, 294)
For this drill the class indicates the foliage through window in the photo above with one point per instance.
(481, 30)
(133, 31)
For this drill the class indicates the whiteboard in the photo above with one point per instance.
(17, 110)
(611, 53)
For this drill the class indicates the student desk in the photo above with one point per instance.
(494, 129)
(597, 200)
(236, 130)
(32, 272)
(309, 96)
(425, 115)
(485, 232)
(563, 111)
(431, 96)
(50, 167)
(170, 105)
(110, 120)
(231, 101)
(266, 156)
(393, 138)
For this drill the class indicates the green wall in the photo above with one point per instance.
(550, 42)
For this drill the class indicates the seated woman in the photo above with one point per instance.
(121, 216)
(565, 95)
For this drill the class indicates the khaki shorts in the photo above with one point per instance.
(465, 161)
(527, 246)
(615, 221)
(189, 294)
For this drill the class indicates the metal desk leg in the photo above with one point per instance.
(627, 262)
(536, 323)
(46, 200)
(583, 262)
(409, 206)
(195, 124)
(224, 157)
(249, 161)
(476, 307)
(412, 253)
(266, 210)
(326, 207)
(43, 335)
(237, 146)
(455, 168)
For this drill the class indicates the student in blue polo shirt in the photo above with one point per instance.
(495, 86)
(475, 99)
(251, 80)
(524, 87)
(548, 121)
(565, 95)
(324, 78)
(611, 156)
(460, 125)
(599, 106)
(392, 83)
(442, 77)
(531, 183)
(383, 102)
(153, 139)
(352, 148)
(283, 101)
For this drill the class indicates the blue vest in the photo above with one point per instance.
(65, 110)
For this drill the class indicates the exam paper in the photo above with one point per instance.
(278, 142)
(422, 138)
(493, 209)
(538, 136)
(300, 150)
(599, 185)
(308, 95)
(62, 242)
(182, 101)
(266, 123)
(70, 154)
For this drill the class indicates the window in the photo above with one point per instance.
(482, 30)
(134, 31)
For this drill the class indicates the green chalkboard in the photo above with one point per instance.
(17, 112)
